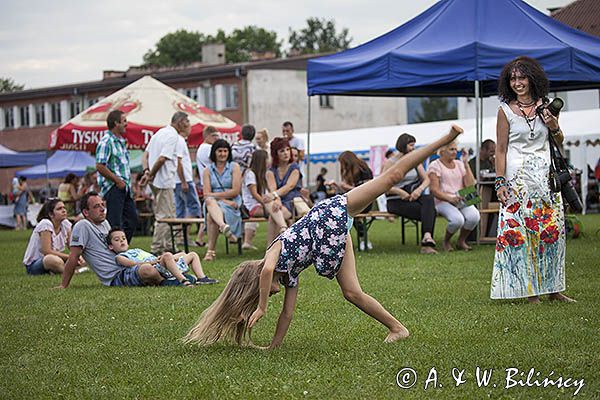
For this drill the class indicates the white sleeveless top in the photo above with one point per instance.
(521, 147)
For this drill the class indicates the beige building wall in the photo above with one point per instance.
(275, 96)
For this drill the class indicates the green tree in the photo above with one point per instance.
(8, 85)
(183, 47)
(179, 47)
(242, 43)
(435, 109)
(319, 36)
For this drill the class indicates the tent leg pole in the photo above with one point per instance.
(478, 106)
(308, 147)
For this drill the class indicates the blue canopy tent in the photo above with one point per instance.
(60, 164)
(458, 48)
(11, 158)
(453, 45)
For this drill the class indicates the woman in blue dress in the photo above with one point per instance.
(222, 187)
(284, 181)
(321, 238)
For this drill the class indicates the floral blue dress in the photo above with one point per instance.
(530, 247)
(318, 238)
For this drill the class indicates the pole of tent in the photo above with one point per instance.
(478, 128)
(308, 147)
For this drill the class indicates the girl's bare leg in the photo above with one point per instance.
(277, 222)
(213, 232)
(170, 264)
(363, 195)
(193, 260)
(348, 281)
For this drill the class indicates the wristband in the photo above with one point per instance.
(499, 182)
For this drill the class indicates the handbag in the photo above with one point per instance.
(300, 206)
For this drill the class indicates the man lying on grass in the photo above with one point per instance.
(88, 239)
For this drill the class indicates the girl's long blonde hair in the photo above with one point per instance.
(227, 317)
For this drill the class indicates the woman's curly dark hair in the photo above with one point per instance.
(538, 82)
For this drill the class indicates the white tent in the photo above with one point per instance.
(581, 129)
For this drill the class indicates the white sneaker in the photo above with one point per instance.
(369, 245)
(361, 246)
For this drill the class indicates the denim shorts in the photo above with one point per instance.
(37, 267)
(128, 277)
(187, 204)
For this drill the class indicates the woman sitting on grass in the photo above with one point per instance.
(168, 265)
(45, 250)
(321, 237)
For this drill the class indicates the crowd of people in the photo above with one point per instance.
(257, 178)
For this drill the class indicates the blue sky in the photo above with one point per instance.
(46, 43)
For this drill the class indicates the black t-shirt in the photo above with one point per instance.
(321, 183)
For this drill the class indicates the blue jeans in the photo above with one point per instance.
(187, 204)
(37, 267)
(121, 211)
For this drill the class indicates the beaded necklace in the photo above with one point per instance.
(528, 117)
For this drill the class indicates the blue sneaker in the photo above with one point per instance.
(170, 282)
(206, 281)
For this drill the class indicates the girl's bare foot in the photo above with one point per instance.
(561, 297)
(534, 300)
(463, 246)
(395, 335)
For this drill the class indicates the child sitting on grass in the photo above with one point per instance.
(168, 265)
(321, 238)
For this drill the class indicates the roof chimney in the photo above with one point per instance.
(213, 53)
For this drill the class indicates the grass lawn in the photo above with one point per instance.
(94, 342)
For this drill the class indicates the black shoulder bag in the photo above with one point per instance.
(560, 176)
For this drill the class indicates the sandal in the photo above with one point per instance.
(186, 283)
(199, 244)
(428, 243)
(210, 255)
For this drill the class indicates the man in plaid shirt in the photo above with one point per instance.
(114, 179)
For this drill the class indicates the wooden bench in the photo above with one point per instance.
(366, 219)
(179, 225)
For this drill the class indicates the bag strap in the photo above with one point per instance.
(556, 155)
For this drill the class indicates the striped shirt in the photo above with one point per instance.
(112, 152)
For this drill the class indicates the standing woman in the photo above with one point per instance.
(284, 181)
(449, 175)
(44, 252)
(530, 247)
(406, 198)
(21, 202)
(222, 182)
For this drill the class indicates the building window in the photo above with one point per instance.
(24, 113)
(428, 109)
(325, 101)
(230, 93)
(210, 98)
(75, 107)
(192, 93)
(93, 101)
(55, 113)
(9, 117)
(40, 117)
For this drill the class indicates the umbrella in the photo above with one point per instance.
(149, 105)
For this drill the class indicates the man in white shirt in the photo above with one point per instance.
(209, 135)
(160, 168)
(287, 130)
